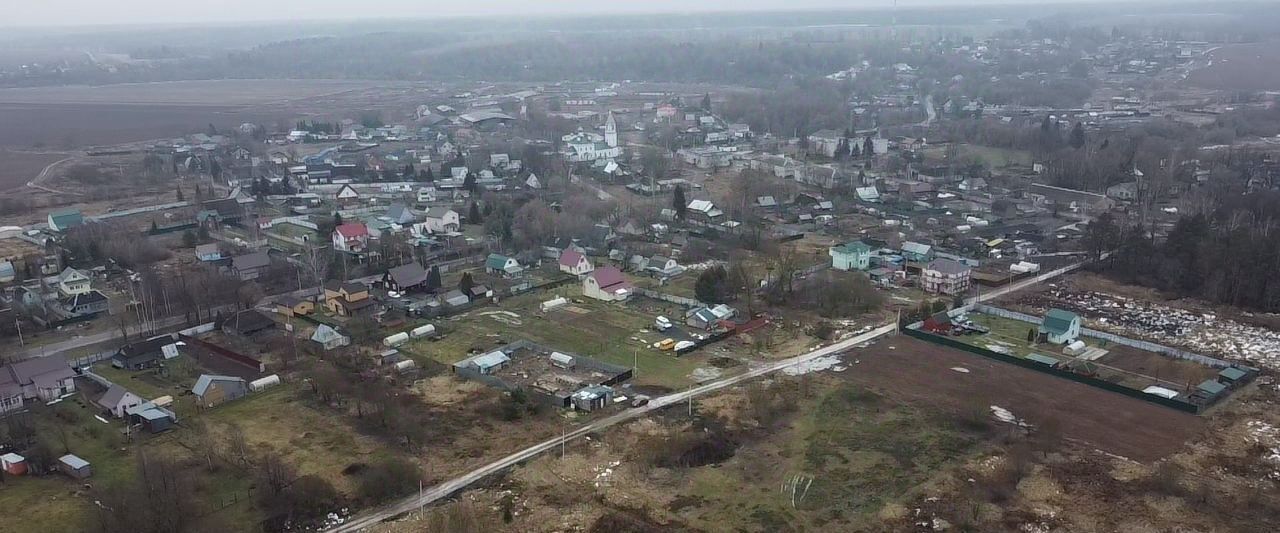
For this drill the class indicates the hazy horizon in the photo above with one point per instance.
(72, 13)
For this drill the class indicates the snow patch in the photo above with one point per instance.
(813, 365)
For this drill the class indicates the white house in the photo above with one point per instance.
(329, 338)
(664, 266)
(72, 282)
(352, 237)
(606, 283)
(944, 276)
(117, 400)
(574, 262)
(439, 220)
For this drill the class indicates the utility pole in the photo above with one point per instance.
(18, 324)
(690, 391)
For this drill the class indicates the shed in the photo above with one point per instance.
(74, 466)
(1231, 375)
(13, 464)
(486, 363)
(212, 390)
(939, 322)
(1209, 389)
(155, 418)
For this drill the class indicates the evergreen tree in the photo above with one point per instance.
(868, 147)
(678, 203)
(470, 182)
(1077, 136)
(473, 215)
(337, 219)
(431, 176)
(433, 278)
(466, 283)
(712, 286)
(706, 102)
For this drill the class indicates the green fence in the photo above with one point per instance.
(1039, 367)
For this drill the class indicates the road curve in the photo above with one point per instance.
(447, 488)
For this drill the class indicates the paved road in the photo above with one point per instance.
(986, 296)
(443, 490)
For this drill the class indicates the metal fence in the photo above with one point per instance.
(671, 298)
(1032, 365)
(1111, 337)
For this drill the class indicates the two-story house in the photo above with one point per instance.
(855, 255)
(944, 276)
(72, 282)
(352, 237)
(439, 220)
(347, 299)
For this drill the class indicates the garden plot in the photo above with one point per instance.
(1199, 332)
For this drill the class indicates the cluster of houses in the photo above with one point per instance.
(937, 275)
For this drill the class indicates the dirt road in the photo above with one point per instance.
(447, 488)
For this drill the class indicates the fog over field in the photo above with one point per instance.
(80, 12)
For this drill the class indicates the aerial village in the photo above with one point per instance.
(525, 260)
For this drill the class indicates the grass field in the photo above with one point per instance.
(608, 332)
(992, 157)
(58, 503)
(314, 442)
(852, 452)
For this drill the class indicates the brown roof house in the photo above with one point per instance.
(348, 299)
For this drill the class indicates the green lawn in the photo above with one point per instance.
(1006, 332)
(608, 332)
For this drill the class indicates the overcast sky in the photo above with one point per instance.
(94, 12)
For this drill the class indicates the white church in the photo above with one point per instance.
(586, 147)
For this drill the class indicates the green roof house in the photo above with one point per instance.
(502, 265)
(1061, 327)
(1231, 375)
(854, 255)
(1208, 390)
(65, 219)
